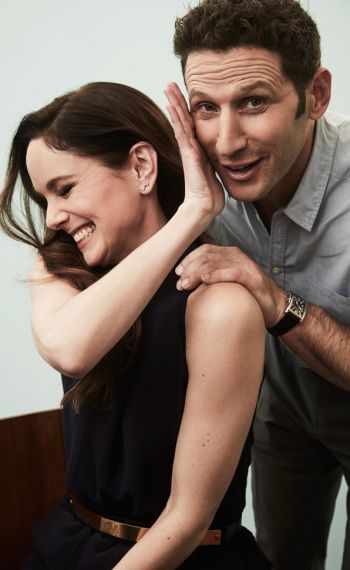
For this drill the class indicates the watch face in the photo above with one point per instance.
(297, 306)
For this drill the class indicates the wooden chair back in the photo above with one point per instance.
(32, 479)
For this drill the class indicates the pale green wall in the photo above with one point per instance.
(48, 47)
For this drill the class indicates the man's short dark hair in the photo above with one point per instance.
(281, 26)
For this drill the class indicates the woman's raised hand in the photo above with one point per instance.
(202, 188)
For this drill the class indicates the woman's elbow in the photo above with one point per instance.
(194, 522)
(67, 360)
(196, 528)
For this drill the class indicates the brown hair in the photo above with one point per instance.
(281, 26)
(100, 120)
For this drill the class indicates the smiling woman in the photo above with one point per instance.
(160, 385)
(76, 199)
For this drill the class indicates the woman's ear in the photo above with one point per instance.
(320, 93)
(144, 161)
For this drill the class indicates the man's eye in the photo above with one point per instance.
(256, 101)
(253, 103)
(206, 107)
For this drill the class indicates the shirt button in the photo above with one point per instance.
(276, 270)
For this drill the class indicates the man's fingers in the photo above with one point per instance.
(191, 264)
(229, 274)
(199, 255)
(218, 256)
(207, 273)
(233, 275)
(188, 283)
(213, 264)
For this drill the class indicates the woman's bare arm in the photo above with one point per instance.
(225, 351)
(73, 330)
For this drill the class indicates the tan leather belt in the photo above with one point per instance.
(134, 533)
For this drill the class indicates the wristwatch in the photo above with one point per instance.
(293, 315)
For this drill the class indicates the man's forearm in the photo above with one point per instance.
(321, 341)
(324, 345)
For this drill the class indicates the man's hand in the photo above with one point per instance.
(212, 264)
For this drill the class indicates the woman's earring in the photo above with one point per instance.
(143, 190)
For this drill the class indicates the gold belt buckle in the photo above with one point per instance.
(125, 531)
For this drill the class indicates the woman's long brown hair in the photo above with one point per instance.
(101, 120)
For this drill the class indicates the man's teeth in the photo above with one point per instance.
(244, 167)
(83, 233)
(241, 167)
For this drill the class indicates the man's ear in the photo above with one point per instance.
(319, 90)
(144, 161)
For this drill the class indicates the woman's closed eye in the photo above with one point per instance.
(65, 190)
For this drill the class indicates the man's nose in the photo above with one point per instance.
(231, 137)
(56, 216)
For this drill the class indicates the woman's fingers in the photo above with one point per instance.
(181, 119)
(177, 99)
(200, 180)
(179, 130)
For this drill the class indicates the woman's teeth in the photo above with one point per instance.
(83, 233)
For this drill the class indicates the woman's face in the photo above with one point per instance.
(101, 208)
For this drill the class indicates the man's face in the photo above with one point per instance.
(244, 111)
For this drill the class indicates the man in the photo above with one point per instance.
(258, 97)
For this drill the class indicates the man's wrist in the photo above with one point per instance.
(294, 314)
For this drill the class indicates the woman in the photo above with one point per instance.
(157, 407)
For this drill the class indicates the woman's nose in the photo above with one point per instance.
(56, 216)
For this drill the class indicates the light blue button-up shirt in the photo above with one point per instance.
(308, 248)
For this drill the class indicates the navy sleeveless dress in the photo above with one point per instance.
(119, 460)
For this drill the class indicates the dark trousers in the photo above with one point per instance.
(301, 450)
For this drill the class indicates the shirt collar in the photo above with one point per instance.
(304, 206)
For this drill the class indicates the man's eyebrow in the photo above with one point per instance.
(199, 94)
(242, 90)
(259, 84)
(51, 184)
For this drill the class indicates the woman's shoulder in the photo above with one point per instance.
(223, 301)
